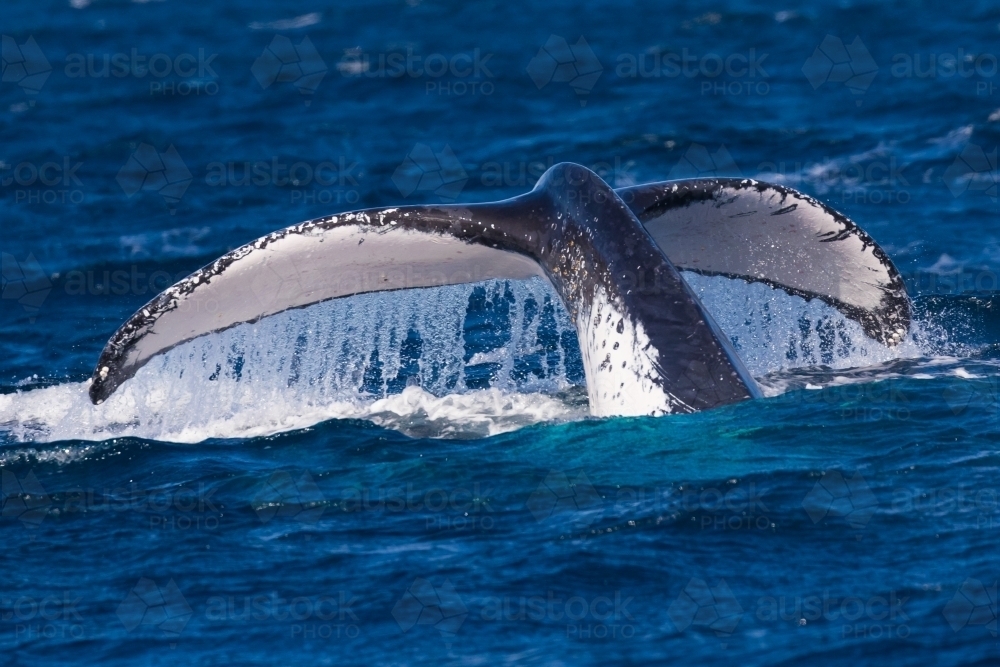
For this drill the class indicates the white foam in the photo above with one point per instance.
(775, 331)
(474, 414)
(346, 358)
(64, 412)
(355, 358)
(788, 342)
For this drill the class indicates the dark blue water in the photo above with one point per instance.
(235, 514)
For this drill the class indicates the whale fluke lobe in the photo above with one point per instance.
(768, 233)
(649, 346)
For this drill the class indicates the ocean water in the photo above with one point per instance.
(413, 477)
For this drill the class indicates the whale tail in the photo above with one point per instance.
(760, 232)
(649, 346)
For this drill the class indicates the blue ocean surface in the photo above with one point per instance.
(413, 477)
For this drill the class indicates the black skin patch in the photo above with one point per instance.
(787, 209)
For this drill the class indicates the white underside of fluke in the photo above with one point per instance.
(314, 265)
(619, 363)
(744, 230)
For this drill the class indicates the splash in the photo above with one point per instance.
(788, 342)
(457, 361)
(774, 331)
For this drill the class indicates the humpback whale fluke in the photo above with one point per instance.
(649, 346)
(742, 228)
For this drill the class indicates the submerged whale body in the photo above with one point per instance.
(614, 257)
